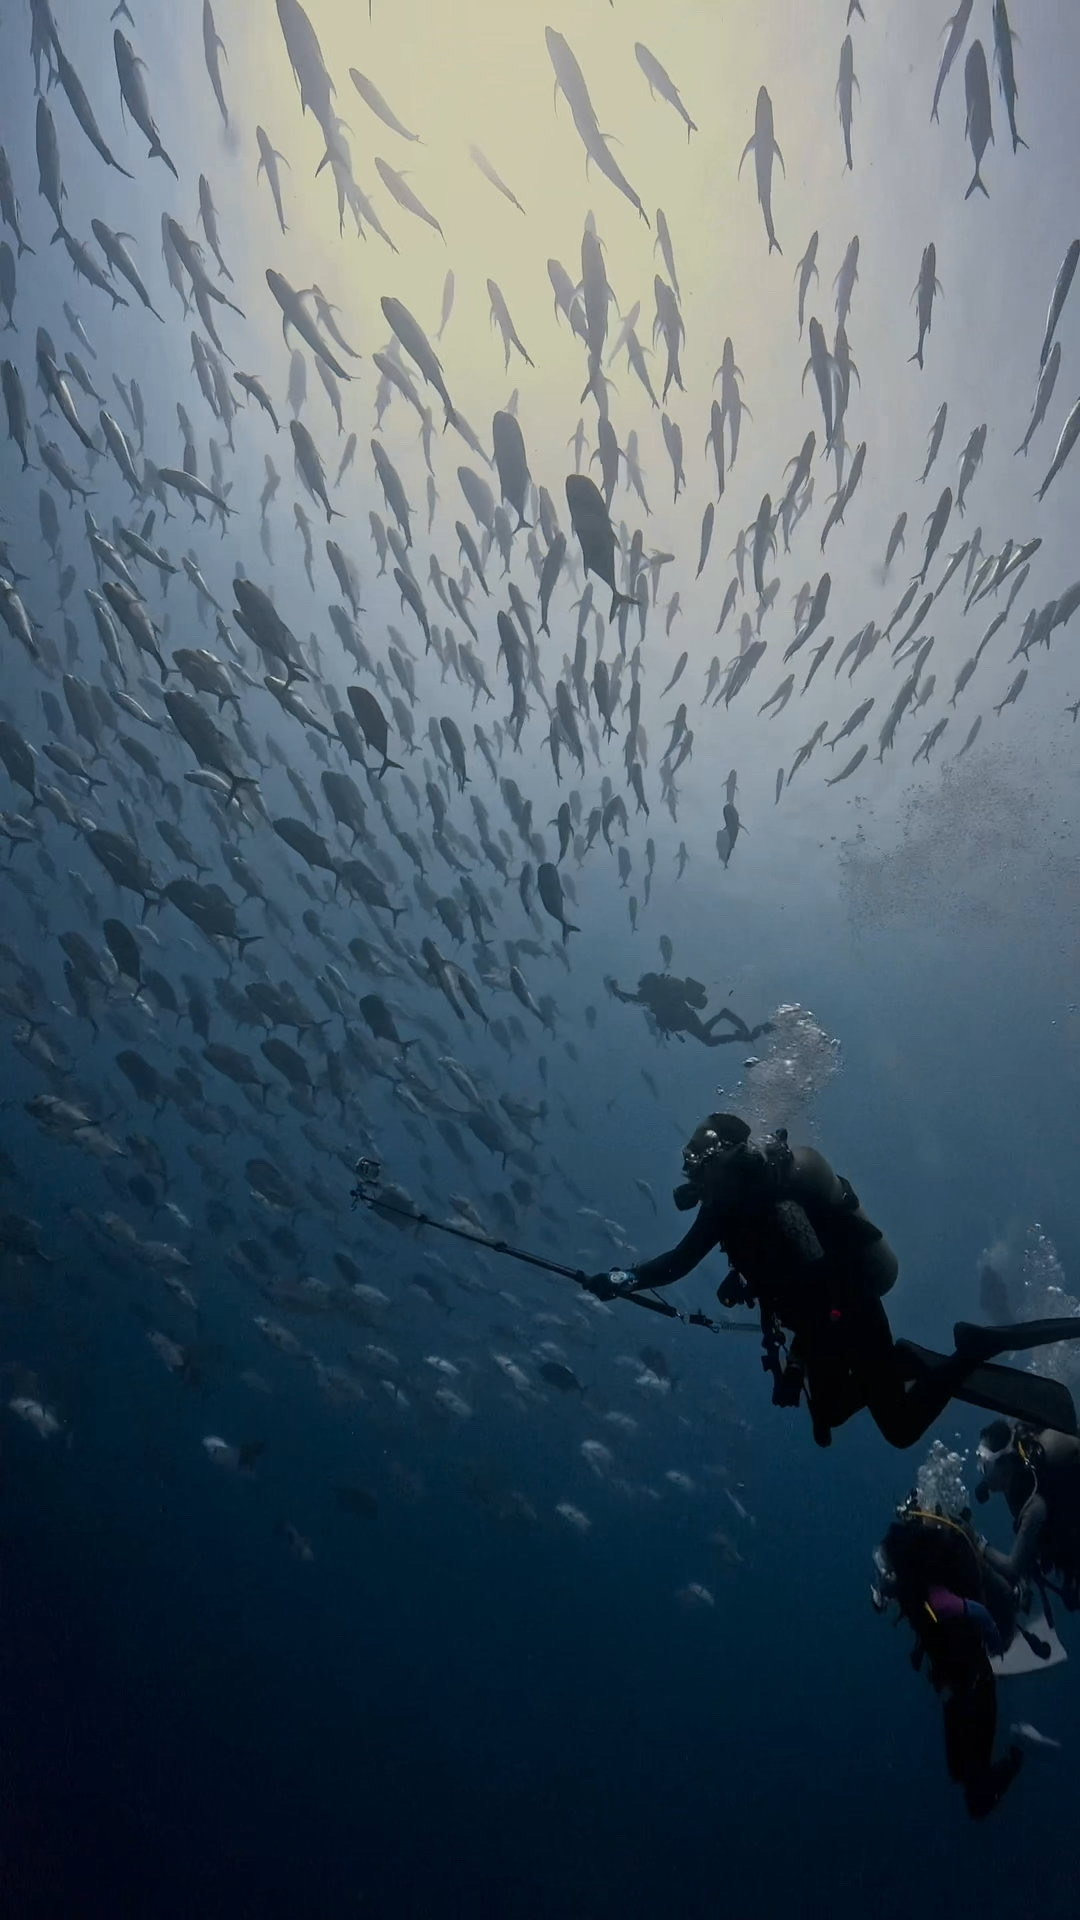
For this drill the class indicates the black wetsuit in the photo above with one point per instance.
(818, 1267)
(961, 1611)
(665, 998)
(1044, 1500)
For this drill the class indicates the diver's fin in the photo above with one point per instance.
(985, 1343)
(1008, 1391)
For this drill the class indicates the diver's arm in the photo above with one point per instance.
(1020, 1564)
(691, 1250)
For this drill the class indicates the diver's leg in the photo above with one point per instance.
(903, 1413)
(908, 1389)
(970, 1728)
(742, 1031)
(833, 1391)
(901, 1409)
(690, 1023)
(1010, 1392)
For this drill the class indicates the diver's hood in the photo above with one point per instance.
(718, 1135)
(711, 1146)
(722, 1144)
(719, 1129)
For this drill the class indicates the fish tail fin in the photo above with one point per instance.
(246, 940)
(23, 248)
(387, 762)
(157, 152)
(976, 182)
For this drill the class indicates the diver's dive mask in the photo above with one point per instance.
(995, 1442)
(720, 1154)
(999, 1443)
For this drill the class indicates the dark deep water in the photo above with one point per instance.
(474, 1737)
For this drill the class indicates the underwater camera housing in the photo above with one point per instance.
(368, 1176)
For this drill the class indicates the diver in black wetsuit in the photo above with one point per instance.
(676, 1005)
(962, 1613)
(801, 1248)
(1039, 1475)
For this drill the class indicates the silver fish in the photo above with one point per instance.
(763, 145)
(1066, 442)
(660, 82)
(134, 94)
(979, 123)
(1059, 296)
(481, 161)
(268, 164)
(956, 29)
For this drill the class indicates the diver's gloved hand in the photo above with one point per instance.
(598, 1284)
(732, 1291)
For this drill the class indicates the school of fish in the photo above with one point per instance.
(273, 895)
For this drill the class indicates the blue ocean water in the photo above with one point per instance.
(461, 1642)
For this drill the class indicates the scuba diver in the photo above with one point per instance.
(802, 1249)
(962, 1612)
(676, 1005)
(1039, 1475)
